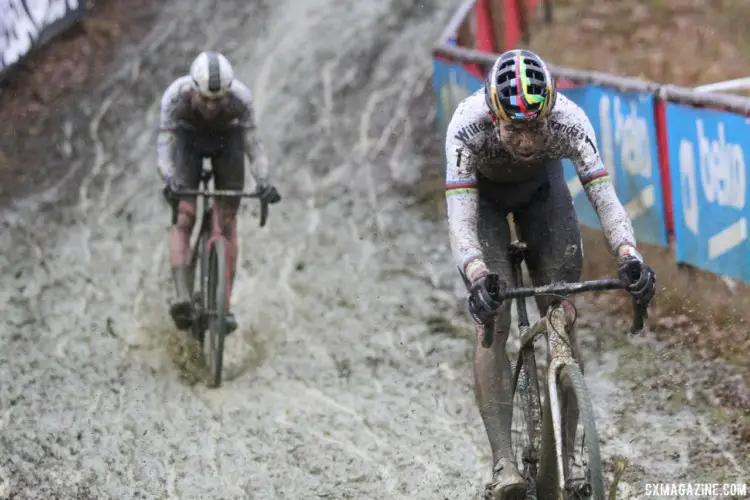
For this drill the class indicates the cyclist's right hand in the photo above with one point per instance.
(168, 191)
(483, 303)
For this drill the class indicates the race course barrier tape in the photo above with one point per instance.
(28, 24)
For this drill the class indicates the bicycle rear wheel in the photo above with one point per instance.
(584, 472)
(217, 306)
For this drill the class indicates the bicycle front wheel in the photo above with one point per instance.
(582, 462)
(196, 288)
(526, 427)
(217, 307)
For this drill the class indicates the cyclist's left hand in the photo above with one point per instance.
(641, 279)
(270, 194)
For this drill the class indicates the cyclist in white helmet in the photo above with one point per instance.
(504, 148)
(207, 114)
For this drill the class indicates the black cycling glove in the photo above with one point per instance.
(641, 280)
(482, 302)
(270, 194)
(169, 189)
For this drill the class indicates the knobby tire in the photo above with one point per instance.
(526, 386)
(197, 264)
(573, 389)
(217, 308)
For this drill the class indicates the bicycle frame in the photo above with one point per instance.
(213, 252)
(209, 225)
(553, 326)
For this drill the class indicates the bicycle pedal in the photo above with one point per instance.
(579, 487)
(530, 456)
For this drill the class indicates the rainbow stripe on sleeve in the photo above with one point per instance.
(595, 178)
(470, 264)
(627, 249)
(453, 188)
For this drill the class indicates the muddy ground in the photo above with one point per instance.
(682, 42)
(42, 91)
(350, 376)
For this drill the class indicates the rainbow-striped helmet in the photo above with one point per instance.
(519, 87)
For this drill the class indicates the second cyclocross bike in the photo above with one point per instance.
(213, 290)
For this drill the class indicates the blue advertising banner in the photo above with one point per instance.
(709, 188)
(451, 84)
(625, 131)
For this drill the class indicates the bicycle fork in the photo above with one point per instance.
(552, 460)
(553, 373)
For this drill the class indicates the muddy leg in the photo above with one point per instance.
(493, 379)
(187, 164)
(229, 174)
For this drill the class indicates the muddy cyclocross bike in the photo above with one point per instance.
(552, 463)
(213, 290)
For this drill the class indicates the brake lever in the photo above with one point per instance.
(488, 329)
(263, 212)
(640, 313)
(488, 334)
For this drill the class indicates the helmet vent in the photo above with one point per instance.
(517, 73)
(535, 75)
(505, 76)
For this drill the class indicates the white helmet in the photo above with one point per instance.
(212, 74)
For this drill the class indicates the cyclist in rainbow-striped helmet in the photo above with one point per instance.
(504, 148)
(519, 87)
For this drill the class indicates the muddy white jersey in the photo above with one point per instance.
(237, 110)
(473, 147)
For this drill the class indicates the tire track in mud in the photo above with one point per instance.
(351, 369)
(321, 406)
